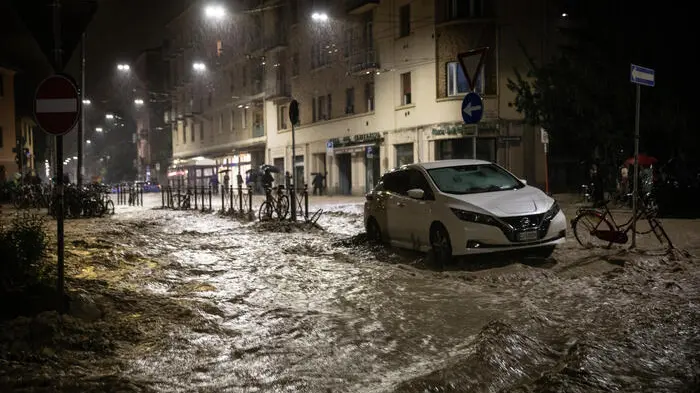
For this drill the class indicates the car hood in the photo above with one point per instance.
(527, 200)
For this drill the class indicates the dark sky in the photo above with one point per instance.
(118, 32)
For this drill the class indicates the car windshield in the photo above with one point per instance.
(470, 179)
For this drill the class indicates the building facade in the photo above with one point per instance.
(378, 85)
(153, 139)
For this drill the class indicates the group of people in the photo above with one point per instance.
(259, 181)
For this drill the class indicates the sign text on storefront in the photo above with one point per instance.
(461, 129)
(356, 139)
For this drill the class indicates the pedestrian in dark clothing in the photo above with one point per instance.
(318, 184)
(267, 179)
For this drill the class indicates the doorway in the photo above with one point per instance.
(345, 173)
(371, 167)
(279, 164)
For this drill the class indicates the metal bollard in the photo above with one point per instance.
(223, 198)
(196, 199)
(230, 198)
(240, 198)
(210, 208)
(250, 199)
(306, 202)
(162, 198)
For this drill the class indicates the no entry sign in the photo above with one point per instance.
(57, 105)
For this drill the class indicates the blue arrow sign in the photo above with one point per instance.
(472, 108)
(641, 75)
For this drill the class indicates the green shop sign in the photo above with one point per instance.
(461, 129)
(356, 139)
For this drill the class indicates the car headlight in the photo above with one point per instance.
(480, 218)
(553, 211)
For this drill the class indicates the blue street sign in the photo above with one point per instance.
(641, 76)
(472, 108)
(329, 145)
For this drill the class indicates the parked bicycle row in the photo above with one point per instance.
(231, 200)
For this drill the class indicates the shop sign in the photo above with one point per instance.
(177, 173)
(356, 139)
(461, 129)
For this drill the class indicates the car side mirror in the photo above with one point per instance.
(523, 181)
(416, 193)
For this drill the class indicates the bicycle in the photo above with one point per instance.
(599, 223)
(279, 204)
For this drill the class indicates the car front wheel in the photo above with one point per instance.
(374, 233)
(441, 245)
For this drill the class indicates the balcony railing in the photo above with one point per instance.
(363, 62)
(275, 41)
(278, 89)
(360, 6)
(258, 131)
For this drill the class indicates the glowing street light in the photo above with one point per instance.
(319, 16)
(123, 67)
(98, 129)
(75, 157)
(87, 102)
(109, 116)
(88, 141)
(199, 66)
(138, 101)
(564, 15)
(215, 12)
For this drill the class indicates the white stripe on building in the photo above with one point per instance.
(57, 105)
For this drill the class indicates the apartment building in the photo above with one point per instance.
(377, 82)
(7, 123)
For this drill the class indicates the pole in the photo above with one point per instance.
(292, 194)
(81, 126)
(546, 168)
(635, 191)
(58, 58)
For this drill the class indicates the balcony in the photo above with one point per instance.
(278, 90)
(258, 131)
(275, 42)
(363, 63)
(357, 7)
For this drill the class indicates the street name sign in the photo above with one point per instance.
(642, 75)
(57, 104)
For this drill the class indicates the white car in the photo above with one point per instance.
(462, 207)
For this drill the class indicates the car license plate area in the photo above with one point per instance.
(527, 236)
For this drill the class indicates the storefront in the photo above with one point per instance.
(465, 142)
(364, 148)
(192, 172)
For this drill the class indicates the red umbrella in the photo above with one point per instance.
(644, 160)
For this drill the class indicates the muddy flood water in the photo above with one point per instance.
(177, 301)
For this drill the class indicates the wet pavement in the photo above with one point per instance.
(193, 302)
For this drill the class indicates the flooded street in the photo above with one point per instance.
(193, 302)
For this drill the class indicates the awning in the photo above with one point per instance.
(353, 149)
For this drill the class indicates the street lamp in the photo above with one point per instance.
(319, 16)
(215, 12)
(138, 101)
(199, 66)
(87, 102)
(88, 141)
(98, 129)
(109, 116)
(123, 67)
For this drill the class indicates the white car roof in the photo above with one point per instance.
(449, 163)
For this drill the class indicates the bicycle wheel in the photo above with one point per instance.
(265, 212)
(586, 223)
(109, 207)
(282, 207)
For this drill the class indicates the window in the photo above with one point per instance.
(232, 123)
(320, 55)
(219, 48)
(244, 118)
(244, 72)
(369, 96)
(192, 132)
(201, 132)
(221, 123)
(329, 112)
(416, 179)
(293, 12)
(231, 78)
(350, 41)
(2, 86)
(322, 108)
(314, 113)
(295, 64)
(404, 154)
(457, 9)
(457, 82)
(184, 134)
(350, 101)
(282, 118)
(406, 89)
(405, 20)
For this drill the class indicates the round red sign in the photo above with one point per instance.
(57, 105)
